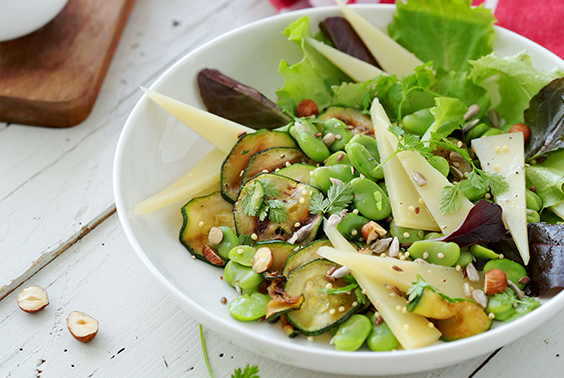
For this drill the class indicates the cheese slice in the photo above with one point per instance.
(411, 330)
(431, 192)
(445, 279)
(404, 199)
(206, 174)
(219, 131)
(392, 56)
(504, 154)
(355, 68)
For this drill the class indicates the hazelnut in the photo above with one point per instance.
(519, 127)
(495, 282)
(82, 326)
(32, 299)
(307, 108)
(262, 260)
(372, 231)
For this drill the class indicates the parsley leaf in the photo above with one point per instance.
(247, 202)
(450, 200)
(277, 211)
(496, 182)
(270, 189)
(416, 288)
(339, 196)
(249, 372)
(254, 203)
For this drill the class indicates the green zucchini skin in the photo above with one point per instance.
(214, 211)
(358, 122)
(314, 317)
(237, 160)
(298, 172)
(272, 159)
(304, 255)
(291, 192)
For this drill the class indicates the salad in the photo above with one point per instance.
(401, 190)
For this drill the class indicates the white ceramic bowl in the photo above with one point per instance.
(21, 17)
(155, 149)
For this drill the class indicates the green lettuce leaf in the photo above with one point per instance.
(448, 32)
(548, 179)
(461, 86)
(449, 115)
(511, 82)
(310, 78)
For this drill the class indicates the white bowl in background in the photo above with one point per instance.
(155, 149)
(21, 17)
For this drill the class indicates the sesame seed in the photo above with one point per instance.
(497, 150)
(241, 174)
(411, 208)
(302, 200)
(304, 192)
(240, 251)
(352, 169)
(342, 309)
(382, 255)
(496, 167)
(193, 257)
(402, 257)
(295, 249)
(338, 136)
(488, 196)
(277, 169)
(406, 327)
(421, 201)
(425, 255)
(459, 144)
(431, 325)
(329, 286)
(458, 268)
(376, 314)
(201, 224)
(254, 236)
(265, 170)
(406, 234)
(501, 256)
(404, 310)
(310, 173)
(398, 308)
(505, 148)
(363, 291)
(297, 224)
(406, 254)
(355, 211)
(332, 311)
(491, 315)
(391, 295)
(310, 339)
(287, 164)
(355, 303)
(354, 232)
(377, 303)
(440, 255)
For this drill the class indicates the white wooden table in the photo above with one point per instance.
(58, 229)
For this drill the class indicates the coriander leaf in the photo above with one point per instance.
(318, 203)
(416, 288)
(476, 180)
(360, 297)
(496, 182)
(263, 212)
(340, 290)
(450, 201)
(339, 196)
(349, 278)
(442, 141)
(277, 210)
(249, 372)
(247, 203)
(270, 188)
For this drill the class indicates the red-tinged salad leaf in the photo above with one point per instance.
(237, 102)
(483, 224)
(545, 118)
(546, 266)
(343, 37)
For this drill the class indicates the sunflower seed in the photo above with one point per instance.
(394, 247)
(493, 116)
(472, 273)
(472, 112)
(418, 178)
(480, 297)
(470, 125)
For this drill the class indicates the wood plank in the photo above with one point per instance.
(55, 182)
(142, 332)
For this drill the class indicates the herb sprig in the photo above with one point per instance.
(259, 205)
(352, 286)
(339, 196)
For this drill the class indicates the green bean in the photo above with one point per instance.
(482, 252)
(492, 132)
(350, 226)
(471, 192)
(247, 307)
(322, 175)
(502, 306)
(514, 271)
(363, 153)
(228, 241)
(418, 122)
(380, 338)
(245, 278)
(533, 216)
(339, 157)
(340, 131)
(242, 254)
(440, 164)
(370, 200)
(476, 132)
(405, 234)
(465, 258)
(351, 334)
(534, 202)
(435, 252)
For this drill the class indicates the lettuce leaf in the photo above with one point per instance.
(511, 82)
(548, 179)
(449, 115)
(448, 32)
(461, 86)
(310, 78)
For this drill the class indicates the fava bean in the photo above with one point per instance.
(514, 271)
(304, 133)
(532, 216)
(364, 155)
(482, 252)
(476, 132)
(534, 202)
(500, 306)
(242, 254)
(384, 187)
(492, 132)
(244, 277)
(440, 164)
(322, 175)
(370, 200)
(339, 157)
(227, 243)
(471, 192)
(351, 225)
(464, 259)
(418, 122)
(406, 235)
(432, 235)
(247, 307)
(380, 338)
(340, 131)
(435, 252)
(351, 334)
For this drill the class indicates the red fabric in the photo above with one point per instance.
(538, 20)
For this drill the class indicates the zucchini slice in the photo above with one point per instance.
(209, 211)
(280, 252)
(249, 144)
(272, 159)
(315, 316)
(298, 172)
(304, 255)
(295, 197)
(469, 321)
(358, 122)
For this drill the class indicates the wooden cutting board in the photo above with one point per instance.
(52, 76)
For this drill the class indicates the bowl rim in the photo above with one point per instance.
(491, 339)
